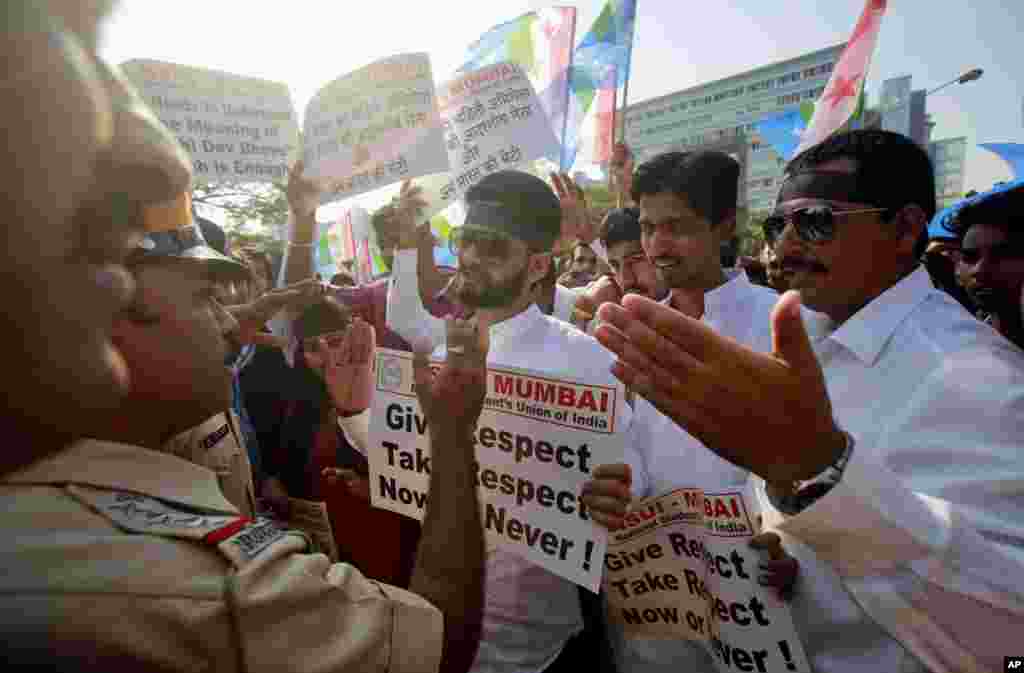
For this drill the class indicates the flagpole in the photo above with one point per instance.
(568, 84)
(629, 67)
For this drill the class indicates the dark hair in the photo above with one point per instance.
(709, 181)
(891, 167)
(1004, 209)
(532, 203)
(621, 225)
(309, 399)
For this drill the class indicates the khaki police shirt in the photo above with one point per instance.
(135, 555)
(216, 444)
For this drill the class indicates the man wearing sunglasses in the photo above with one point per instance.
(893, 453)
(532, 617)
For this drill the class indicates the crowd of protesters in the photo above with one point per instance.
(169, 399)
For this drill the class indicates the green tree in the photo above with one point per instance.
(264, 204)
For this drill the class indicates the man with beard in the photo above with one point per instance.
(992, 259)
(895, 472)
(513, 219)
(687, 208)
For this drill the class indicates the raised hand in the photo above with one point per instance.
(622, 172)
(576, 224)
(347, 368)
(252, 317)
(607, 495)
(408, 207)
(781, 570)
(303, 193)
(602, 290)
(454, 397)
(728, 396)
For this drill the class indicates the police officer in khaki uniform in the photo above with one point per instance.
(173, 340)
(117, 555)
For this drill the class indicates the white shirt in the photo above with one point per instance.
(529, 613)
(675, 459)
(926, 529)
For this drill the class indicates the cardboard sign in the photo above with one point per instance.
(536, 443)
(373, 127)
(237, 129)
(682, 569)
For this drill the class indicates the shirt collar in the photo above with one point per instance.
(513, 328)
(866, 333)
(721, 298)
(725, 297)
(121, 467)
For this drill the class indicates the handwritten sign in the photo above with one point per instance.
(373, 127)
(237, 129)
(492, 120)
(682, 569)
(537, 442)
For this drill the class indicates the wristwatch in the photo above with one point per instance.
(803, 494)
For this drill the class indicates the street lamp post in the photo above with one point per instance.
(969, 76)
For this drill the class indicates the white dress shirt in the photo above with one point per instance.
(529, 613)
(672, 458)
(926, 529)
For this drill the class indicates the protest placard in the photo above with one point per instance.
(236, 129)
(311, 518)
(682, 569)
(373, 127)
(492, 120)
(536, 443)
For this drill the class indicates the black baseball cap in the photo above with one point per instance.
(518, 205)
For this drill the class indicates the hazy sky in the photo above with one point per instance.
(678, 44)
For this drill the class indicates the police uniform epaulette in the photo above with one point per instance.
(241, 539)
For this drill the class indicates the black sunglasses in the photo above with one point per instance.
(488, 244)
(814, 224)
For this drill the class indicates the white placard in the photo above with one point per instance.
(492, 120)
(236, 129)
(682, 569)
(373, 127)
(536, 443)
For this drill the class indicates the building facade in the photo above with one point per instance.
(948, 158)
(721, 115)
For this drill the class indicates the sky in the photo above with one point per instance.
(678, 44)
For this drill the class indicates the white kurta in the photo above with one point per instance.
(926, 529)
(675, 459)
(529, 613)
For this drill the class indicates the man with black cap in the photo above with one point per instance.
(513, 219)
(992, 258)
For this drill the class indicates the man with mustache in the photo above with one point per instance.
(992, 259)
(687, 208)
(118, 557)
(532, 618)
(894, 472)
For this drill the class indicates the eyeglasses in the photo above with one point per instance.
(488, 244)
(814, 224)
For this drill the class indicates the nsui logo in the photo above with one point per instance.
(391, 373)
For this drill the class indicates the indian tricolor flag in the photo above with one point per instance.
(839, 101)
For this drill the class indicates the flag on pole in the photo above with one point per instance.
(783, 132)
(607, 45)
(839, 101)
(541, 44)
(597, 131)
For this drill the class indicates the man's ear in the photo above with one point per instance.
(910, 224)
